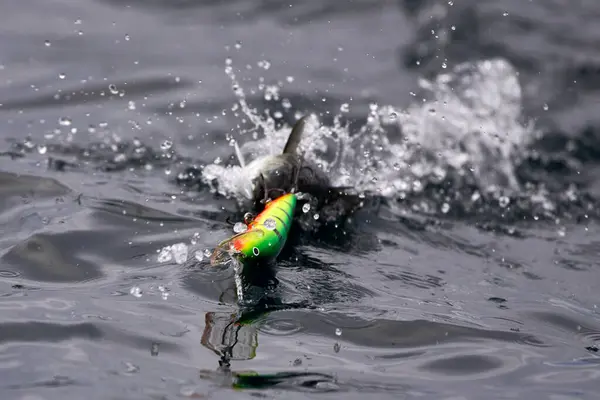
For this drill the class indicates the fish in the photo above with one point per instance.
(265, 236)
(275, 174)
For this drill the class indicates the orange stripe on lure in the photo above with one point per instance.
(265, 237)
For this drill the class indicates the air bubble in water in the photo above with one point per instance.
(240, 227)
(136, 291)
(199, 255)
(270, 224)
(42, 149)
(545, 107)
(47, 43)
(62, 76)
(306, 208)
(393, 116)
(207, 253)
(503, 201)
(131, 105)
(316, 217)
(238, 44)
(127, 37)
(338, 332)
(345, 108)
(166, 145)
(113, 88)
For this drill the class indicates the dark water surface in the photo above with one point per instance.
(471, 274)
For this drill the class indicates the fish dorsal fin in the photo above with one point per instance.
(295, 136)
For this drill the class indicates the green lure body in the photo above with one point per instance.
(266, 234)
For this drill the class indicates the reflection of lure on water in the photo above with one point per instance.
(265, 236)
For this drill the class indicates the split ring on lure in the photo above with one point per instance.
(265, 237)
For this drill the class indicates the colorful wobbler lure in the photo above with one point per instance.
(265, 237)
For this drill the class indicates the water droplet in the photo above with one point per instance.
(113, 88)
(336, 347)
(240, 227)
(270, 224)
(166, 145)
(255, 251)
(136, 291)
(306, 208)
(64, 121)
(264, 64)
(194, 239)
(180, 252)
(165, 255)
(503, 201)
(42, 149)
(338, 332)
(445, 208)
(62, 76)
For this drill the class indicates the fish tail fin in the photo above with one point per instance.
(295, 136)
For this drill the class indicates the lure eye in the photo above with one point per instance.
(255, 251)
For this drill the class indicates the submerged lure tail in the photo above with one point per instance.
(265, 236)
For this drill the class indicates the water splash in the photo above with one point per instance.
(466, 123)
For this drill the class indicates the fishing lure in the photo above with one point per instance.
(265, 236)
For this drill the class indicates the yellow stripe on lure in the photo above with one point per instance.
(265, 237)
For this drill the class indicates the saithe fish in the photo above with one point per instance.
(274, 175)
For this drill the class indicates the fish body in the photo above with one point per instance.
(265, 236)
(272, 175)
